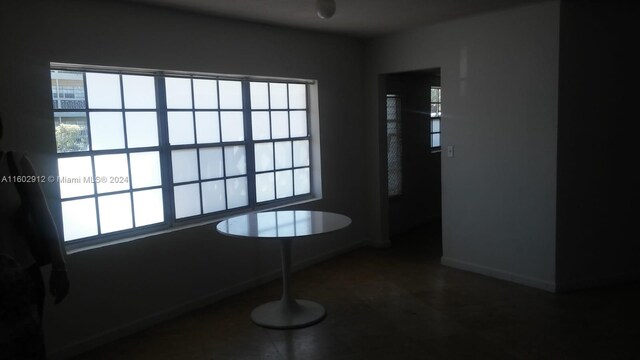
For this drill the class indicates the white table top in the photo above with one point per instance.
(283, 224)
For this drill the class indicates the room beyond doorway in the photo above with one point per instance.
(413, 150)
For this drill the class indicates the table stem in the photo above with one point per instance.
(286, 271)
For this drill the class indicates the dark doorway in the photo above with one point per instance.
(413, 151)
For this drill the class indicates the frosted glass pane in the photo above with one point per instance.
(139, 92)
(436, 110)
(235, 160)
(211, 163)
(265, 189)
(283, 154)
(103, 91)
(205, 94)
(230, 94)
(301, 153)
(232, 126)
(184, 164)
(112, 173)
(237, 192)
(187, 200)
(260, 125)
(207, 127)
(264, 156)
(435, 94)
(302, 181)
(145, 169)
(284, 184)
(213, 196)
(142, 129)
(278, 95)
(259, 95)
(75, 176)
(79, 219)
(178, 93)
(107, 130)
(435, 140)
(297, 96)
(148, 207)
(435, 125)
(298, 123)
(180, 127)
(279, 124)
(115, 212)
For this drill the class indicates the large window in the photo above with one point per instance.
(140, 151)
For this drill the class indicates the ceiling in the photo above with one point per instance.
(360, 18)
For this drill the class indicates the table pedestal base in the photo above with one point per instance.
(288, 314)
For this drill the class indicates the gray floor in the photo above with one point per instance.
(400, 303)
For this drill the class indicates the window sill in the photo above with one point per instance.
(72, 248)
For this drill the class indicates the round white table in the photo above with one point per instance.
(285, 226)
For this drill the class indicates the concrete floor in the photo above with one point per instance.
(400, 303)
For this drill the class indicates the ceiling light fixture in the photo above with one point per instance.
(326, 8)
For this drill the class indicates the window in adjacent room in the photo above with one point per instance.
(394, 145)
(140, 151)
(435, 117)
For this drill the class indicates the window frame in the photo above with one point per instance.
(437, 117)
(164, 149)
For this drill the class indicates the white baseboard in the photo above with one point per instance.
(106, 337)
(499, 274)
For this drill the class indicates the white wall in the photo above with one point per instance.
(500, 88)
(121, 288)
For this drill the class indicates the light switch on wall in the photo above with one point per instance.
(450, 151)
